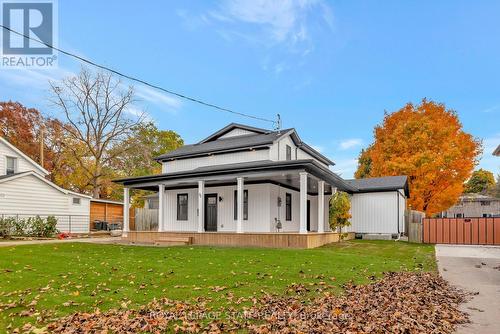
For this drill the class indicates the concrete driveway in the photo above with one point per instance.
(475, 269)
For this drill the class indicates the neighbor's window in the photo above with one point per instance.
(288, 206)
(485, 203)
(182, 206)
(459, 215)
(245, 205)
(487, 215)
(76, 200)
(11, 165)
(288, 152)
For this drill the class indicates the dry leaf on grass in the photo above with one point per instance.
(398, 303)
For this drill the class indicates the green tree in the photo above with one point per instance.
(340, 206)
(364, 164)
(481, 181)
(138, 153)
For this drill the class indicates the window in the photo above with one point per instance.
(76, 201)
(288, 206)
(11, 165)
(182, 206)
(288, 152)
(459, 215)
(485, 203)
(245, 205)
(487, 215)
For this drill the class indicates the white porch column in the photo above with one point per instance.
(303, 202)
(321, 206)
(239, 200)
(126, 208)
(201, 206)
(161, 208)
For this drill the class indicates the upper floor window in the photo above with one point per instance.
(288, 152)
(11, 166)
(485, 203)
(76, 201)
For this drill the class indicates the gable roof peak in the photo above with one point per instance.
(22, 154)
(230, 127)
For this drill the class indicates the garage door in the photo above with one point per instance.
(464, 231)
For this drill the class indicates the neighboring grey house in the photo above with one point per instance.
(474, 205)
(243, 179)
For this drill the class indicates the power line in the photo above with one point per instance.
(182, 96)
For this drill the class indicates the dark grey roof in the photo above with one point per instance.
(230, 127)
(3, 177)
(381, 184)
(224, 145)
(261, 138)
(254, 166)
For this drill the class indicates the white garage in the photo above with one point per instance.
(379, 205)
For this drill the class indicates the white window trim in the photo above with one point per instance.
(16, 163)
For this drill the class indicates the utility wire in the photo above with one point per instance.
(182, 96)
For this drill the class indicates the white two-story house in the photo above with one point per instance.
(25, 192)
(249, 186)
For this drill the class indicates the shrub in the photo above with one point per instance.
(6, 225)
(32, 226)
(19, 227)
(50, 227)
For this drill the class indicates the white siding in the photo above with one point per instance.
(216, 159)
(258, 209)
(280, 212)
(237, 132)
(278, 151)
(23, 165)
(262, 209)
(30, 196)
(377, 212)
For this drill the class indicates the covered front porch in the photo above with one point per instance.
(266, 204)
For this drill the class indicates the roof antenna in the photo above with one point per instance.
(277, 123)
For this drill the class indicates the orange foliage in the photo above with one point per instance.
(425, 142)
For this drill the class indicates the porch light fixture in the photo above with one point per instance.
(220, 198)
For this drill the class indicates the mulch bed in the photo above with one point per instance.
(398, 303)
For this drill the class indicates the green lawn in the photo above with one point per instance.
(69, 277)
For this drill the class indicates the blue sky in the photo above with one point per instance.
(330, 68)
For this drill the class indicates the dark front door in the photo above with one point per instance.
(308, 215)
(211, 212)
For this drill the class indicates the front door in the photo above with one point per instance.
(308, 215)
(211, 212)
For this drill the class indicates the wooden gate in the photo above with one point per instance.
(464, 231)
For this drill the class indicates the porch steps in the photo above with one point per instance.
(173, 241)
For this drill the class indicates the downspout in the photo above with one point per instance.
(397, 194)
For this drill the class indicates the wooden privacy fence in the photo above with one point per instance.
(146, 219)
(413, 225)
(466, 231)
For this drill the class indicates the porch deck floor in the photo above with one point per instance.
(247, 239)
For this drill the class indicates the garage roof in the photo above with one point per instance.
(386, 183)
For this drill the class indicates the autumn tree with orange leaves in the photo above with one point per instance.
(426, 142)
